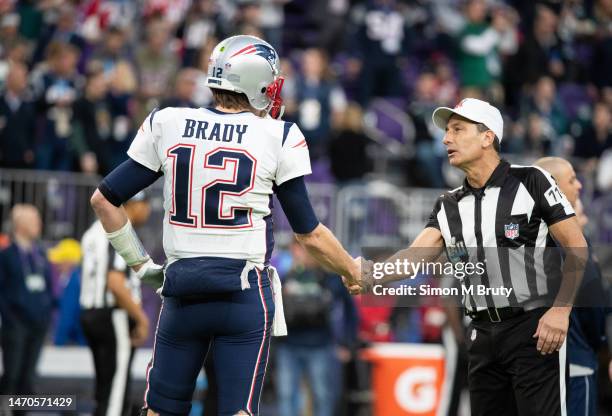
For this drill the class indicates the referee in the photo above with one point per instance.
(501, 217)
(111, 313)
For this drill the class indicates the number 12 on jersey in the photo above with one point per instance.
(242, 166)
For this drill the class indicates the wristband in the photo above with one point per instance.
(127, 244)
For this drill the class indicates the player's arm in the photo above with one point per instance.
(123, 296)
(327, 250)
(557, 212)
(426, 247)
(552, 327)
(568, 234)
(141, 169)
(107, 200)
(315, 237)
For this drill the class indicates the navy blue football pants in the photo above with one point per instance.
(235, 327)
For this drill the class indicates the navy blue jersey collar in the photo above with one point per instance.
(214, 110)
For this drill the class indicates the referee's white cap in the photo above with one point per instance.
(475, 110)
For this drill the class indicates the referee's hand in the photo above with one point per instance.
(552, 329)
(363, 282)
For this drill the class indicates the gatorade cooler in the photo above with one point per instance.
(407, 379)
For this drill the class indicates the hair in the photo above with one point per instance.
(481, 129)
(230, 99)
(57, 49)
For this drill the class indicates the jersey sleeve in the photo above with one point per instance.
(294, 158)
(554, 205)
(144, 146)
(433, 217)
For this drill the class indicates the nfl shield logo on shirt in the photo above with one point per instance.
(511, 230)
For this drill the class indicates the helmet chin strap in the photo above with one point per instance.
(274, 93)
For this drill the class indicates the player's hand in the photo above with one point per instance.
(151, 274)
(362, 280)
(352, 282)
(140, 332)
(552, 329)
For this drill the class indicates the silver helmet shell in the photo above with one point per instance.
(244, 64)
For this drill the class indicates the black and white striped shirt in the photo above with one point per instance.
(99, 258)
(505, 225)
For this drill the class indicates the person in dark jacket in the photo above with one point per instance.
(586, 334)
(26, 301)
(56, 89)
(596, 137)
(92, 125)
(347, 150)
(16, 115)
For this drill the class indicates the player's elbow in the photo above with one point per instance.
(99, 203)
(311, 239)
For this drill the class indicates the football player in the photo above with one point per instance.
(221, 167)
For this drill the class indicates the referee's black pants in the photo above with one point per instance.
(508, 376)
(108, 334)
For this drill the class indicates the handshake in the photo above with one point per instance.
(361, 279)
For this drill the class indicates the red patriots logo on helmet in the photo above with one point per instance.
(264, 51)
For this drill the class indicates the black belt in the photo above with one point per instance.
(495, 314)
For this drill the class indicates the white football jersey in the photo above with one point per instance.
(219, 170)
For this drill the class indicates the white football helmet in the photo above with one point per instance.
(248, 65)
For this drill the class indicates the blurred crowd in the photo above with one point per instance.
(78, 77)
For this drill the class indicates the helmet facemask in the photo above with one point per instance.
(273, 92)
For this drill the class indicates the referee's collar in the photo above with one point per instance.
(496, 179)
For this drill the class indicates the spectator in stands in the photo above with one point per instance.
(309, 295)
(447, 90)
(201, 24)
(429, 153)
(320, 101)
(601, 63)
(9, 32)
(122, 89)
(596, 137)
(113, 50)
(348, 156)
(92, 124)
(604, 173)
(62, 29)
(26, 301)
(248, 15)
(540, 54)
(379, 43)
(17, 53)
(16, 115)
(184, 89)
(544, 103)
(480, 47)
(31, 18)
(533, 137)
(271, 21)
(56, 88)
(156, 66)
(332, 17)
